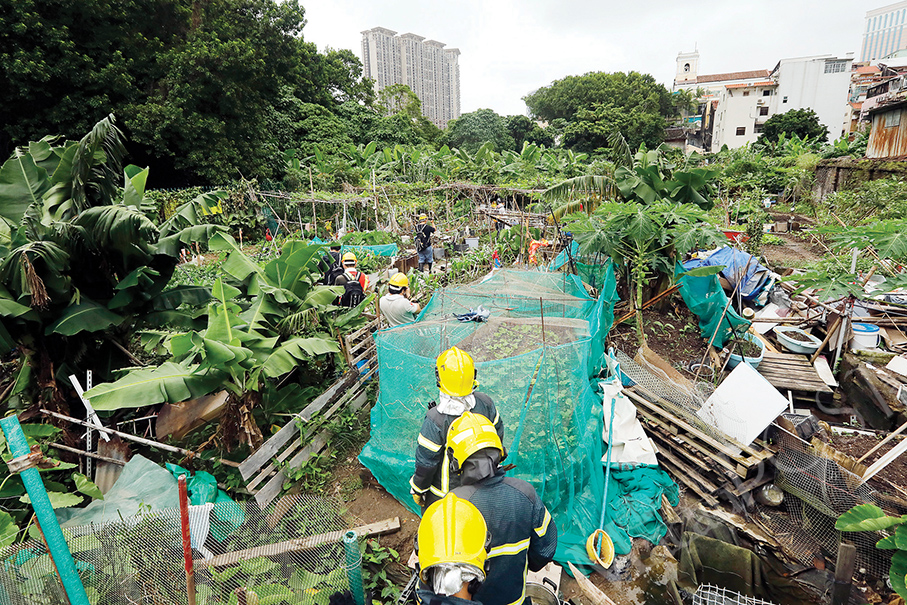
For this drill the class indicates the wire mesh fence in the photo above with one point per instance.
(715, 595)
(290, 553)
(818, 491)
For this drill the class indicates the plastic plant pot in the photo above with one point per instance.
(753, 362)
(797, 346)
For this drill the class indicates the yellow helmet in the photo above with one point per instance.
(452, 530)
(470, 433)
(348, 258)
(456, 372)
(399, 280)
(423, 217)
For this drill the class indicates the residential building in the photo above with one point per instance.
(883, 32)
(742, 110)
(429, 69)
(820, 83)
(747, 99)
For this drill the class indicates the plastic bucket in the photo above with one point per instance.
(865, 336)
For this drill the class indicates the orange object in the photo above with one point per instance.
(534, 245)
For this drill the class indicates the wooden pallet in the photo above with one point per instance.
(710, 467)
(261, 469)
(792, 372)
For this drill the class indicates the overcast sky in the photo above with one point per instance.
(509, 48)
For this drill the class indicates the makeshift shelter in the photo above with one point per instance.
(535, 355)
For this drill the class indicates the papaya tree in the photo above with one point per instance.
(262, 323)
(644, 240)
(81, 263)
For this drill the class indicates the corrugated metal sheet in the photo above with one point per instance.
(891, 140)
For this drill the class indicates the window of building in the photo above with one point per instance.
(766, 93)
(757, 128)
(741, 131)
(763, 111)
(784, 100)
(893, 118)
(835, 67)
(746, 93)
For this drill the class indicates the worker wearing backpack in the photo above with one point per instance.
(424, 231)
(354, 282)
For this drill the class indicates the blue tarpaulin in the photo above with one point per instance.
(377, 250)
(737, 264)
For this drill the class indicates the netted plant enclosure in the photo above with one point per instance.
(290, 553)
(534, 356)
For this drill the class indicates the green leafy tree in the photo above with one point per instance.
(625, 91)
(592, 127)
(472, 130)
(801, 122)
(523, 130)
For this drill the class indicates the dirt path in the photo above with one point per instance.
(795, 252)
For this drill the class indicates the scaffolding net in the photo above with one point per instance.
(290, 553)
(535, 355)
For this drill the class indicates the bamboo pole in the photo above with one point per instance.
(828, 335)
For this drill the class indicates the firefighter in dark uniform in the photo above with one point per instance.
(451, 546)
(523, 535)
(456, 375)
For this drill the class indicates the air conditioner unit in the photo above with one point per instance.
(760, 102)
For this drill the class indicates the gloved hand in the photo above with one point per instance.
(419, 499)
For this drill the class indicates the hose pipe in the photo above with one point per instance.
(354, 566)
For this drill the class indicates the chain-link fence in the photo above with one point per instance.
(292, 552)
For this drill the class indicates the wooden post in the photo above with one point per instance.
(847, 554)
(187, 539)
(828, 335)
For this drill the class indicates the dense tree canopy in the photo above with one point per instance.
(194, 84)
(471, 130)
(592, 106)
(801, 122)
(564, 98)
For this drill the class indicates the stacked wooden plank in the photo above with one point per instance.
(290, 445)
(711, 467)
(793, 372)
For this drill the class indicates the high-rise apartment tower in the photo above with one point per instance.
(429, 69)
(884, 32)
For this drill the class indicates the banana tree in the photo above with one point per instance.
(80, 262)
(264, 324)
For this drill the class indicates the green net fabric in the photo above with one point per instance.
(534, 356)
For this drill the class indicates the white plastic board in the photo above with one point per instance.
(743, 405)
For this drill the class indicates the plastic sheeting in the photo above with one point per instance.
(705, 297)
(738, 266)
(539, 378)
(634, 504)
(377, 250)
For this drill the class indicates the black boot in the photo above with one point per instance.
(421, 267)
(429, 267)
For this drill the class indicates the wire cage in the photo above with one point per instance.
(293, 552)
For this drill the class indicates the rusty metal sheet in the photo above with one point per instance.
(887, 141)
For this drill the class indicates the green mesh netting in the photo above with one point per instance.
(706, 299)
(534, 356)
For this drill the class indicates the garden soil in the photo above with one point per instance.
(672, 331)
